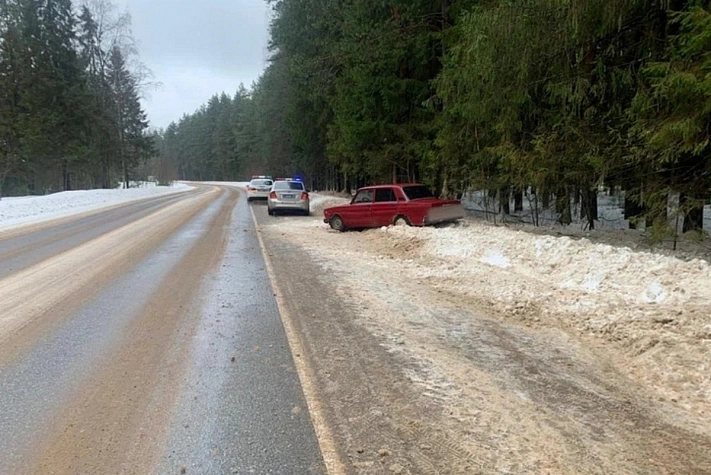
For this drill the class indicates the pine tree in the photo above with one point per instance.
(55, 94)
(130, 118)
(11, 73)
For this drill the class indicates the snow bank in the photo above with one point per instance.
(655, 308)
(321, 201)
(596, 273)
(32, 209)
(238, 184)
(650, 311)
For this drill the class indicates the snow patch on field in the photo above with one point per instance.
(32, 209)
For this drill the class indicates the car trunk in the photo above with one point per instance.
(289, 195)
(433, 201)
(444, 211)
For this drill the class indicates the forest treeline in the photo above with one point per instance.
(554, 99)
(70, 112)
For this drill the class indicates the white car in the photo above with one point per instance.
(288, 195)
(259, 188)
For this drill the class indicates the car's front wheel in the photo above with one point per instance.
(336, 223)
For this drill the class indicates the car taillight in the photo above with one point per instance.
(249, 188)
(272, 195)
(304, 196)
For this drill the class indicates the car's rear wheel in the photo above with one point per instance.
(336, 223)
(401, 221)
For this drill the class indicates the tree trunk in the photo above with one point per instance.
(504, 200)
(694, 216)
(633, 210)
(346, 184)
(66, 181)
(518, 200)
(124, 167)
(656, 216)
(562, 205)
(3, 177)
(589, 209)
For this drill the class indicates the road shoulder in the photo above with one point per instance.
(410, 381)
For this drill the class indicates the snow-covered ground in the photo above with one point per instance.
(33, 209)
(652, 310)
(610, 211)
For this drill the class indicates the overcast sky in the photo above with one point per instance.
(197, 48)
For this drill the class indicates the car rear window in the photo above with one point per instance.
(288, 185)
(417, 192)
(384, 194)
(261, 183)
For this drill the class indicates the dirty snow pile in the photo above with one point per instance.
(321, 201)
(657, 306)
(31, 209)
(653, 309)
(594, 275)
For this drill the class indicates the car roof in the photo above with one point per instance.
(374, 187)
(303, 185)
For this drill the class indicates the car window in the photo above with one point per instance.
(364, 196)
(261, 183)
(417, 191)
(384, 194)
(288, 185)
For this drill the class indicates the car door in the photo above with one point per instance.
(384, 207)
(359, 213)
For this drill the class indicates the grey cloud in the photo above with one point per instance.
(198, 48)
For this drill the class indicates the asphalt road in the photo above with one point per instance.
(147, 339)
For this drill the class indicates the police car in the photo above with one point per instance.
(290, 195)
(259, 187)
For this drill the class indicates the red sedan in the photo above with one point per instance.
(383, 205)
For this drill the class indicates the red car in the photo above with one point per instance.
(383, 205)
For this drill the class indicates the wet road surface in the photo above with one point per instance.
(147, 339)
